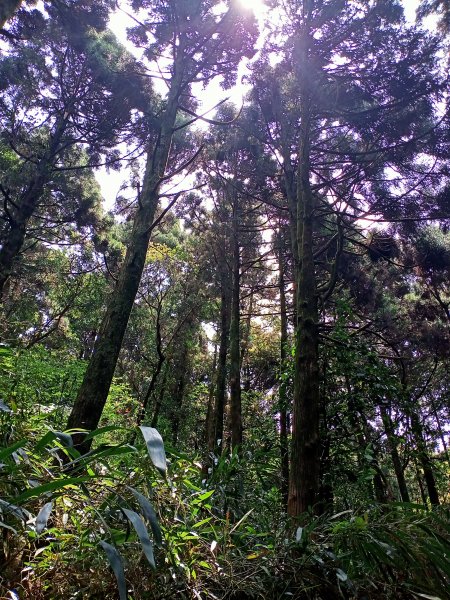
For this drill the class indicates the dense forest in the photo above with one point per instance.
(226, 376)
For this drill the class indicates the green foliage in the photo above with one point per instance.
(58, 506)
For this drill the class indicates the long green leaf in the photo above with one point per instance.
(149, 513)
(45, 440)
(50, 487)
(116, 562)
(101, 430)
(155, 448)
(142, 533)
(102, 451)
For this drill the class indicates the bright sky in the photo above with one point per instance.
(111, 182)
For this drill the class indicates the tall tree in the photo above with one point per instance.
(199, 40)
(62, 111)
(351, 84)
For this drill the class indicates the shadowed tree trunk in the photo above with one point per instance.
(305, 454)
(91, 398)
(424, 459)
(283, 402)
(393, 450)
(157, 370)
(19, 214)
(177, 395)
(209, 420)
(215, 440)
(159, 401)
(235, 337)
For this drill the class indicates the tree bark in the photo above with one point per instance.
(157, 371)
(393, 450)
(283, 402)
(177, 395)
(424, 459)
(91, 399)
(209, 420)
(215, 441)
(20, 213)
(235, 337)
(159, 401)
(304, 482)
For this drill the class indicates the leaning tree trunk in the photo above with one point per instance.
(304, 481)
(91, 399)
(19, 213)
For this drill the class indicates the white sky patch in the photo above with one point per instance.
(111, 182)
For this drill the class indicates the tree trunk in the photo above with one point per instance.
(159, 401)
(157, 371)
(93, 392)
(393, 450)
(304, 482)
(235, 337)
(283, 401)
(424, 459)
(20, 214)
(215, 441)
(245, 344)
(177, 395)
(210, 418)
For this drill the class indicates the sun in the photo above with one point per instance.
(257, 6)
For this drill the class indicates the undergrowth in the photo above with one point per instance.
(108, 523)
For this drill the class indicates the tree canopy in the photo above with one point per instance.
(237, 367)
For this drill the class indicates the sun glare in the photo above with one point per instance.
(257, 6)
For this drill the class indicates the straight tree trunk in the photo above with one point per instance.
(393, 450)
(424, 459)
(209, 420)
(215, 441)
(235, 337)
(245, 343)
(91, 398)
(159, 401)
(177, 395)
(304, 481)
(420, 483)
(283, 403)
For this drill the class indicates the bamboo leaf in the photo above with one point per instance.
(142, 533)
(155, 448)
(101, 430)
(5, 452)
(43, 516)
(149, 513)
(50, 487)
(116, 562)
